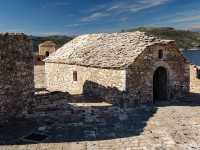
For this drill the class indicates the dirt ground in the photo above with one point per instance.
(61, 124)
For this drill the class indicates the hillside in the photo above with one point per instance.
(184, 39)
(59, 40)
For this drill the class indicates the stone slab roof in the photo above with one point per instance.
(104, 50)
(48, 43)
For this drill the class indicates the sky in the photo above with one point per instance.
(75, 17)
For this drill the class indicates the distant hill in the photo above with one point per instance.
(59, 40)
(184, 39)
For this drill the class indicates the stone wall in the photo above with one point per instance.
(59, 77)
(140, 74)
(16, 74)
(43, 49)
(131, 86)
(38, 59)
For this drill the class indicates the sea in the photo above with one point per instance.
(193, 56)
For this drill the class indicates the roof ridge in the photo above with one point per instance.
(113, 50)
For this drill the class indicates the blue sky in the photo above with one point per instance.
(73, 17)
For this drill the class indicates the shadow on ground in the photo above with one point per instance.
(59, 119)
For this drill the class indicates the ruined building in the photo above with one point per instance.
(45, 49)
(122, 68)
(16, 74)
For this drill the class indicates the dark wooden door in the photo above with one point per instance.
(160, 85)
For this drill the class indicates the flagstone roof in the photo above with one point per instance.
(104, 50)
(48, 43)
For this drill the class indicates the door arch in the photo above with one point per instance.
(160, 84)
(47, 53)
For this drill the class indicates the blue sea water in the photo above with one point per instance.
(193, 56)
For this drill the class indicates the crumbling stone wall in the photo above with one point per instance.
(16, 74)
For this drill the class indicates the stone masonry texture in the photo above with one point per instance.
(132, 85)
(129, 84)
(47, 46)
(139, 80)
(104, 50)
(16, 74)
(44, 49)
(59, 77)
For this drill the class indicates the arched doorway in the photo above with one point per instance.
(160, 84)
(47, 54)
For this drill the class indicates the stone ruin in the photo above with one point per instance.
(16, 75)
(44, 50)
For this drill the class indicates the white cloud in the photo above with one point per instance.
(114, 7)
(185, 19)
(182, 17)
(138, 6)
(95, 16)
(188, 18)
(72, 25)
(121, 7)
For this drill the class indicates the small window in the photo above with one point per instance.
(39, 59)
(47, 54)
(160, 54)
(75, 76)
